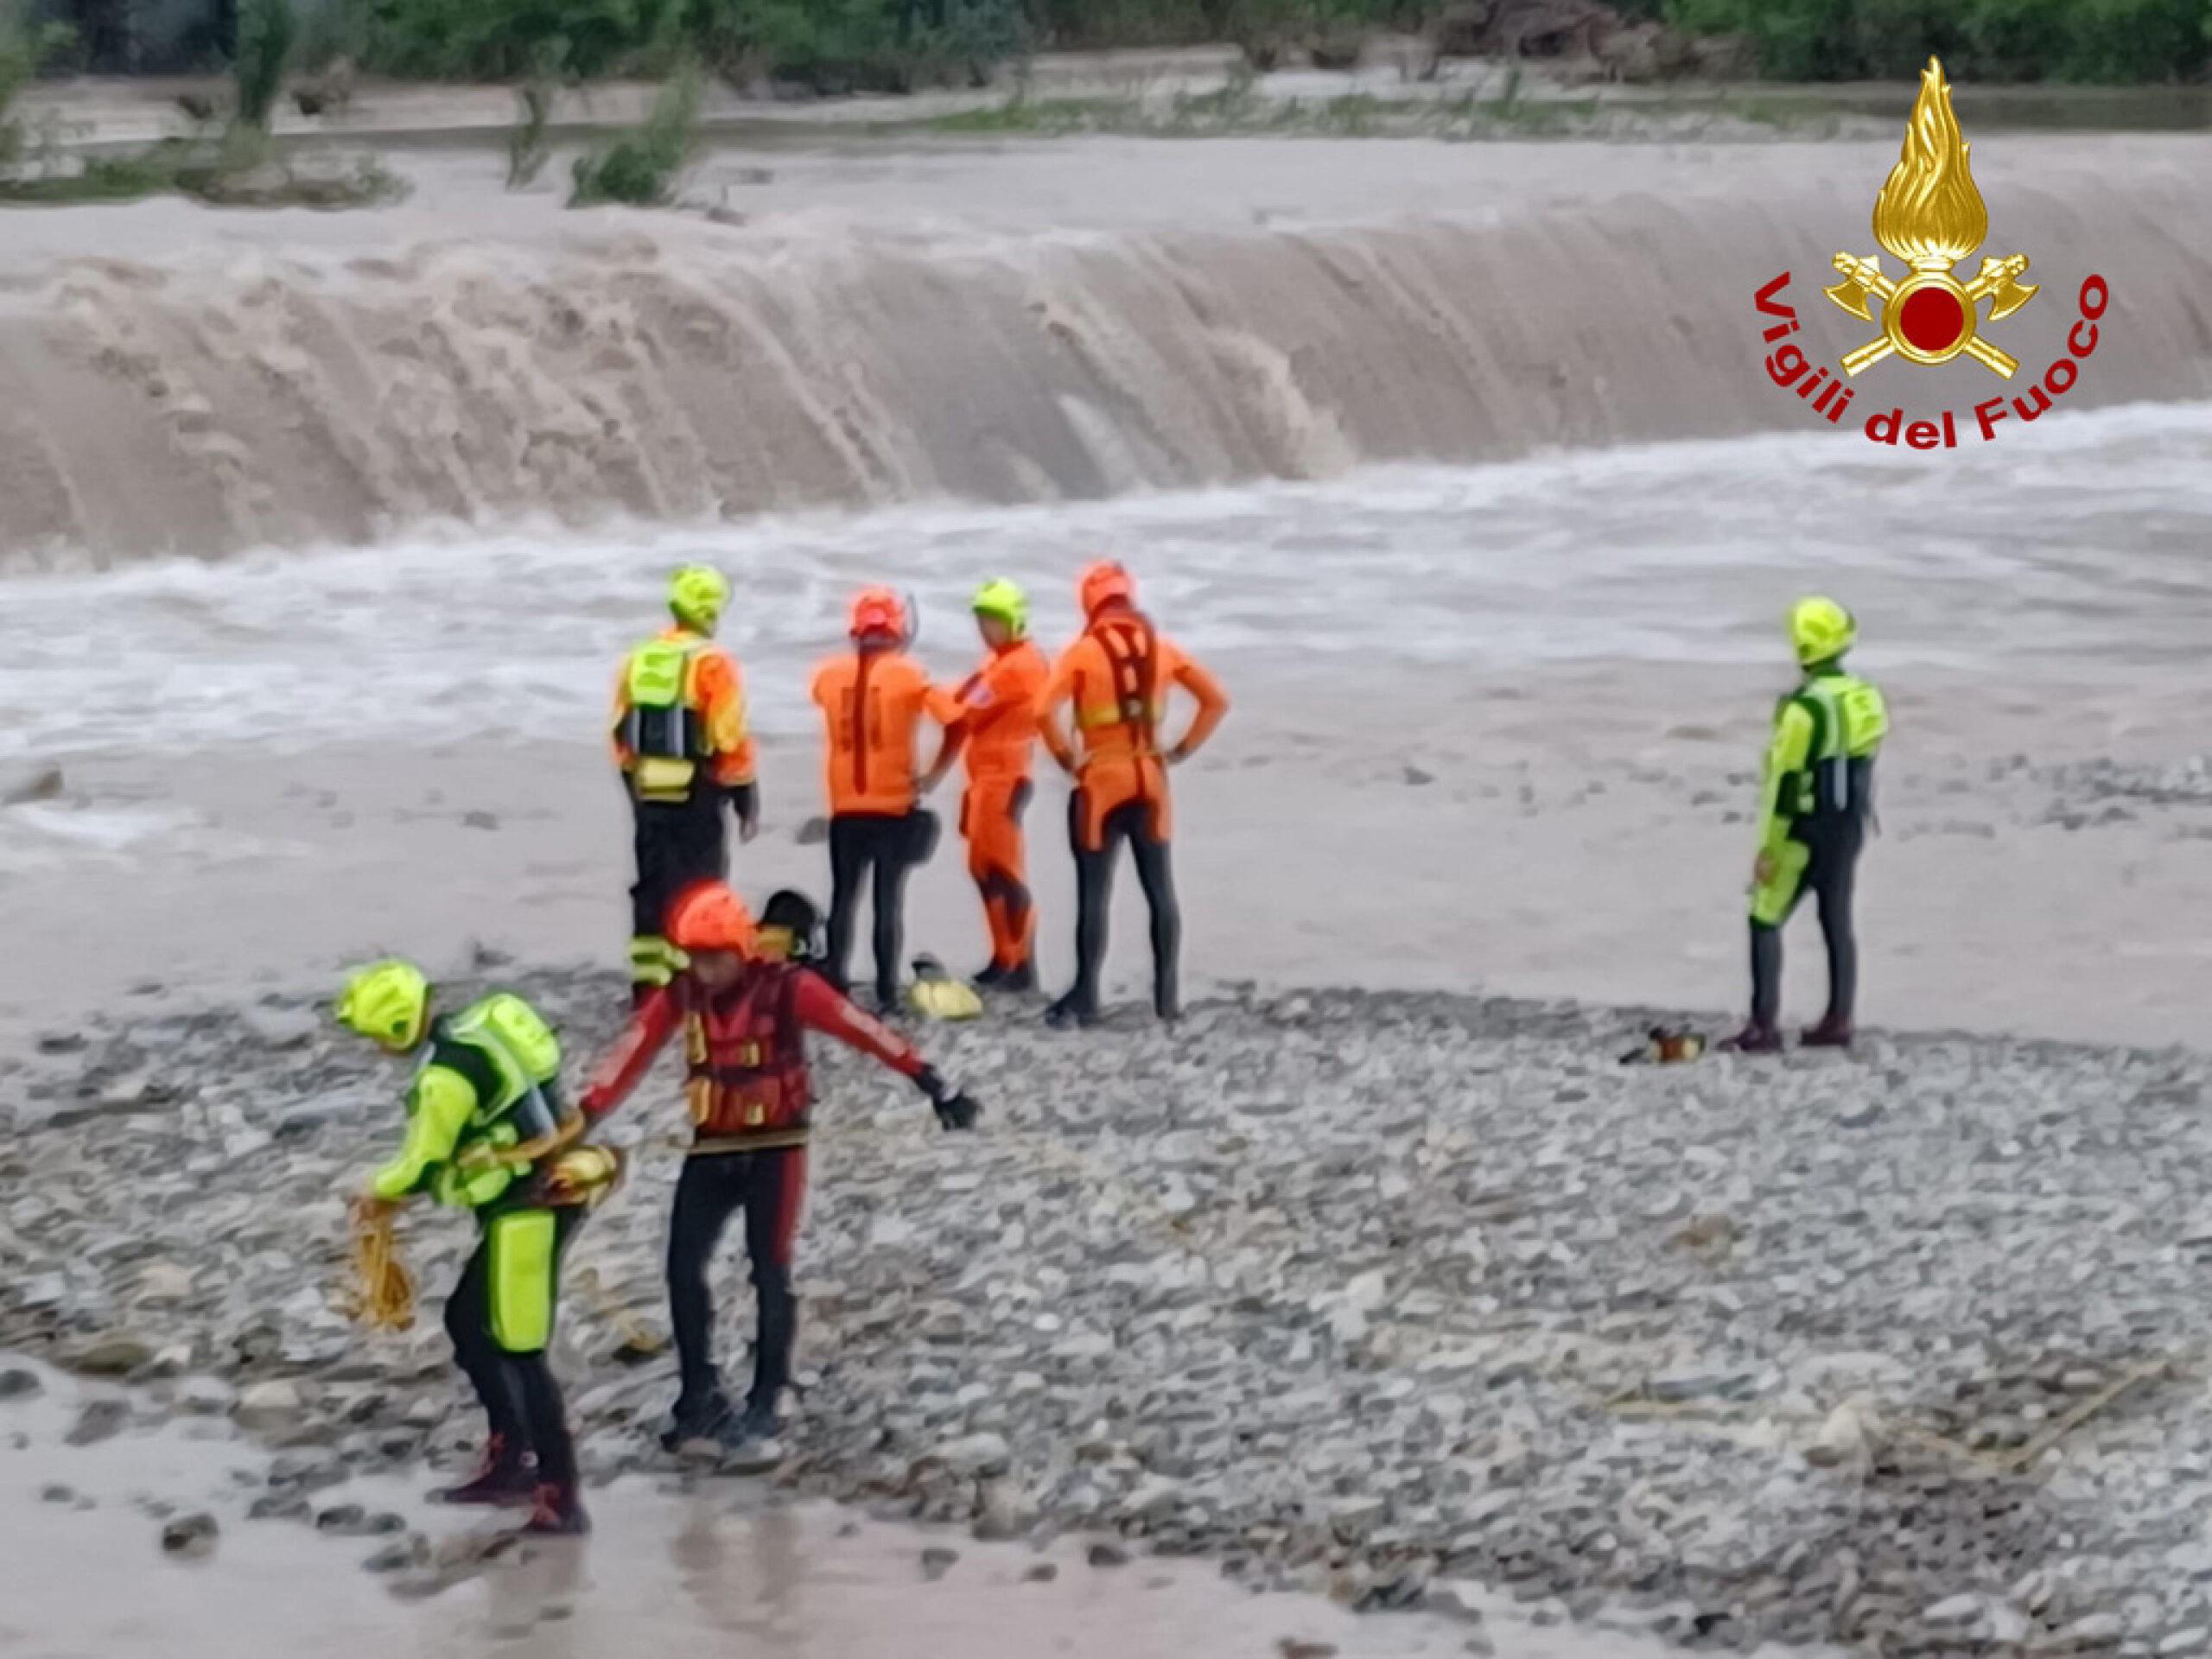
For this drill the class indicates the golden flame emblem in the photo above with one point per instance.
(1930, 215)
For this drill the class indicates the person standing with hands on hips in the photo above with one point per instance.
(1118, 674)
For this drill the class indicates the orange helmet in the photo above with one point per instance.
(878, 611)
(710, 917)
(1103, 584)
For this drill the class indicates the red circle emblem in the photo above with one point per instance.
(1931, 319)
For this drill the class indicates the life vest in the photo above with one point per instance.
(662, 728)
(1849, 722)
(511, 1058)
(1132, 651)
(747, 1061)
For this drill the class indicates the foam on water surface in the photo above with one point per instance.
(2079, 543)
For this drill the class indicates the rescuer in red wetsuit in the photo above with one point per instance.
(744, 1000)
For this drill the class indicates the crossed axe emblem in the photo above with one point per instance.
(1864, 280)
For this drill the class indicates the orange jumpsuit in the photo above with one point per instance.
(872, 703)
(1001, 699)
(1117, 675)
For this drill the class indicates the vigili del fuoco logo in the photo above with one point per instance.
(1931, 217)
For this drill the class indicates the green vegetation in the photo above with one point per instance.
(530, 146)
(830, 46)
(1238, 109)
(640, 167)
(231, 168)
(24, 52)
(2093, 41)
(846, 46)
(266, 32)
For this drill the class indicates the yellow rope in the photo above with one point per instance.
(383, 1294)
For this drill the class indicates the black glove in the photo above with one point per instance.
(957, 1112)
(954, 1110)
(745, 801)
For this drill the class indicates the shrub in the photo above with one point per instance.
(529, 145)
(640, 167)
(266, 30)
(500, 39)
(2110, 40)
(24, 52)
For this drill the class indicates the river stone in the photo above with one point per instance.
(116, 1353)
(271, 1405)
(975, 1456)
(192, 1536)
(100, 1420)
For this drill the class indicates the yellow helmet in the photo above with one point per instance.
(388, 1002)
(1820, 629)
(1004, 601)
(698, 594)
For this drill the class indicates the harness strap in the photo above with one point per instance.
(866, 661)
(1133, 659)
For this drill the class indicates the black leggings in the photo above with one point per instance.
(858, 841)
(676, 844)
(1834, 845)
(768, 1186)
(522, 1402)
(1094, 896)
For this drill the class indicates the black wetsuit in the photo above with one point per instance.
(678, 844)
(889, 846)
(766, 1185)
(520, 1398)
(1834, 842)
(1094, 895)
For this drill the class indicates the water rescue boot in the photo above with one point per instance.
(1831, 1032)
(1068, 1014)
(990, 979)
(503, 1479)
(1023, 978)
(698, 1422)
(557, 1511)
(1753, 1039)
(751, 1443)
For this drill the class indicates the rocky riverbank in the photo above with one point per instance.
(1385, 1296)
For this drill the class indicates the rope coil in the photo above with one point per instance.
(383, 1294)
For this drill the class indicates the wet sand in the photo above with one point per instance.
(673, 1564)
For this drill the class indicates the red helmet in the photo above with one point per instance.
(877, 612)
(711, 917)
(1103, 584)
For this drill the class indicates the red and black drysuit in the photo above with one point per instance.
(750, 1094)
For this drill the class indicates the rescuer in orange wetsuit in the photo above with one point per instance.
(873, 700)
(1117, 674)
(1001, 698)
